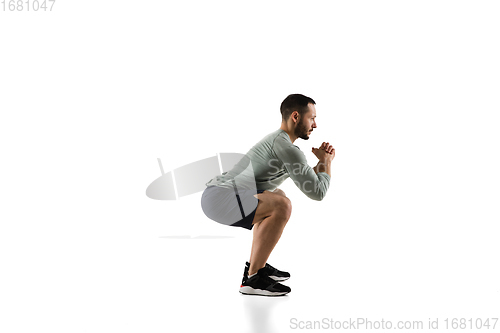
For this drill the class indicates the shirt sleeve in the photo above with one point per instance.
(311, 184)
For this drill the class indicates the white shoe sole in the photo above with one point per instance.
(251, 291)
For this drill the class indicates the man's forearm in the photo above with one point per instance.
(323, 166)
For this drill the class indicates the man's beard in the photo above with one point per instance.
(301, 131)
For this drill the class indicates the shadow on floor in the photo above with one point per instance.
(260, 314)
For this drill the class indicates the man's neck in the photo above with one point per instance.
(289, 132)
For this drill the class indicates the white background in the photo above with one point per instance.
(92, 93)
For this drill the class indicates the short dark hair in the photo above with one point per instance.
(295, 102)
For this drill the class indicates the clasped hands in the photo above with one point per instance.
(324, 152)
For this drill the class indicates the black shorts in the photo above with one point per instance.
(230, 206)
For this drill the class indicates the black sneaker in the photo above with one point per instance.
(273, 273)
(261, 284)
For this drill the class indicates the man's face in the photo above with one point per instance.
(306, 123)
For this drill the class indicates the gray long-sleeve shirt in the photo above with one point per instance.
(268, 163)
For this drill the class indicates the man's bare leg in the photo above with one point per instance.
(256, 224)
(273, 212)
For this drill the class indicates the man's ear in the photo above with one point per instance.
(295, 116)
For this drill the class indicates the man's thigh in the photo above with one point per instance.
(268, 202)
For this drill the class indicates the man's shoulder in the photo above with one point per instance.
(278, 137)
(279, 133)
(269, 139)
(274, 142)
(282, 141)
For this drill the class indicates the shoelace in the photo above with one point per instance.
(271, 267)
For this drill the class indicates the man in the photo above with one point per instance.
(247, 196)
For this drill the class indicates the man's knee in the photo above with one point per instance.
(284, 208)
(280, 192)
